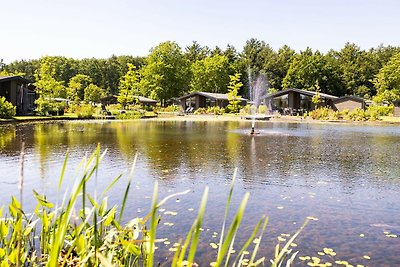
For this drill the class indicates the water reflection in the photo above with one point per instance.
(345, 175)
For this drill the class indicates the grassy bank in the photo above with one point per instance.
(63, 234)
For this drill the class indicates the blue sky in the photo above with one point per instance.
(88, 28)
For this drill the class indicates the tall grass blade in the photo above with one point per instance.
(255, 250)
(64, 167)
(249, 241)
(153, 227)
(127, 189)
(199, 221)
(226, 245)
(228, 203)
(111, 185)
(279, 256)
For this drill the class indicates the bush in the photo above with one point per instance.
(85, 111)
(356, 115)
(7, 110)
(200, 111)
(44, 106)
(132, 114)
(381, 110)
(321, 113)
(171, 108)
(47, 107)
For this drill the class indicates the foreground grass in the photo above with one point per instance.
(61, 234)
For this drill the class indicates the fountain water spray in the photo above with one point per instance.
(258, 91)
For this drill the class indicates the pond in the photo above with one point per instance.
(347, 176)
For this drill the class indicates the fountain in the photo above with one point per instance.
(258, 91)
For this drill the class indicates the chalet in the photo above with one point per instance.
(197, 100)
(296, 101)
(19, 92)
(349, 103)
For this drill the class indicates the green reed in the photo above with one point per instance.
(94, 235)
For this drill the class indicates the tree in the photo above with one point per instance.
(23, 68)
(211, 74)
(281, 64)
(251, 55)
(76, 87)
(356, 69)
(166, 73)
(129, 86)
(309, 70)
(93, 93)
(233, 89)
(196, 52)
(387, 81)
(46, 84)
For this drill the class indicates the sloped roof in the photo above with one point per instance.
(302, 92)
(215, 96)
(143, 99)
(349, 97)
(10, 78)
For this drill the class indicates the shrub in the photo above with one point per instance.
(200, 111)
(85, 111)
(215, 110)
(7, 110)
(171, 108)
(132, 114)
(381, 110)
(321, 113)
(357, 115)
(44, 106)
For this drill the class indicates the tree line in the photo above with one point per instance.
(170, 71)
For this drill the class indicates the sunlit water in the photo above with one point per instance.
(347, 176)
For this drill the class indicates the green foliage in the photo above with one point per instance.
(46, 84)
(84, 111)
(7, 110)
(170, 108)
(166, 73)
(131, 114)
(309, 69)
(372, 113)
(216, 110)
(356, 68)
(233, 89)
(129, 86)
(49, 107)
(381, 110)
(316, 99)
(76, 87)
(210, 74)
(356, 115)
(93, 93)
(323, 113)
(387, 81)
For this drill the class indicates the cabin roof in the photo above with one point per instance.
(300, 91)
(349, 97)
(215, 96)
(14, 77)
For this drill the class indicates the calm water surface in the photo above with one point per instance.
(347, 176)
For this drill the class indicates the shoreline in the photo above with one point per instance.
(280, 119)
(205, 118)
